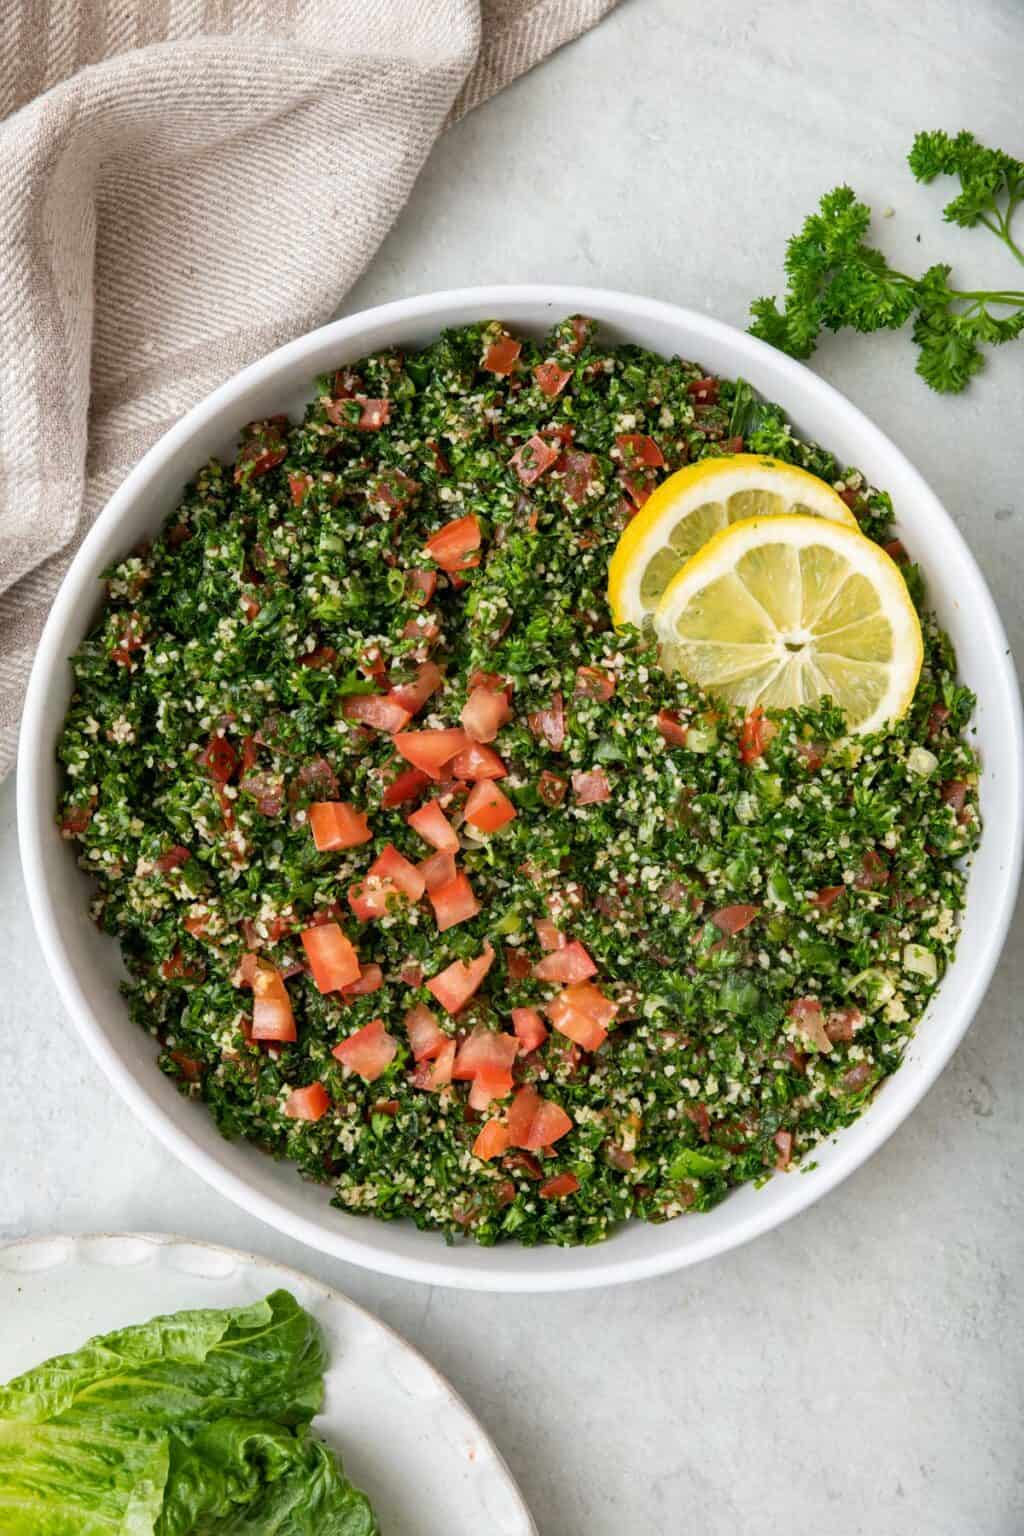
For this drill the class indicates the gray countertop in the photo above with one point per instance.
(860, 1370)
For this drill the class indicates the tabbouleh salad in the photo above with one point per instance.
(430, 881)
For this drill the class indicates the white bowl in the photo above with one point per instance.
(86, 964)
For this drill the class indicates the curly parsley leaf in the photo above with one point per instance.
(836, 280)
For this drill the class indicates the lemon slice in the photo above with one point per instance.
(697, 502)
(780, 611)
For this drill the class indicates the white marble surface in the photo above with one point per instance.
(862, 1369)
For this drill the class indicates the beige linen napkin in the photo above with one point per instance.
(184, 185)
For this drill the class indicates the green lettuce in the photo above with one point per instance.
(193, 1423)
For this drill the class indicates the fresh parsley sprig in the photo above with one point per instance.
(836, 279)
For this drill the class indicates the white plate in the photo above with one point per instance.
(85, 963)
(407, 1440)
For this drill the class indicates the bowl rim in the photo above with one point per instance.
(602, 1267)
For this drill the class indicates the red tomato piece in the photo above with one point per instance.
(331, 957)
(534, 1122)
(174, 858)
(478, 762)
(671, 727)
(405, 786)
(827, 896)
(532, 458)
(591, 788)
(374, 415)
(436, 1074)
(491, 1141)
(734, 919)
(810, 1022)
(576, 1025)
(488, 1086)
(594, 683)
(755, 734)
(430, 750)
(300, 487)
(310, 1103)
(272, 1017)
(704, 391)
(568, 964)
(454, 546)
(390, 865)
(434, 827)
(588, 999)
(551, 788)
(874, 872)
(438, 869)
(394, 489)
(502, 355)
(371, 979)
(784, 1152)
(843, 1023)
(518, 963)
(411, 697)
(530, 1030)
(488, 807)
(578, 471)
(372, 898)
(558, 1187)
(549, 934)
(811, 755)
(426, 1036)
(484, 713)
(453, 903)
(637, 449)
(639, 487)
(954, 794)
(422, 585)
(484, 1050)
(369, 1052)
(219, 759)
(551, 379)
(549, 724)
(378, 710)
(336, 824)
(455, 985)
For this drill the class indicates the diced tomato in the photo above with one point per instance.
(549, 934)
(300, 487)
(811, 755)
(637, 449)
(954, 794)
(551, 788)
(371, 979)
(896, 550)
(197, 925)
(784, 1152)
(518, 963)
(219, 759)
(639, 487)
(577, 1025)
(272, 1017)
(267, 789)
(369, 1052)
(671, 727)
(372, 898)
(585, 998)
(529, 1028)
(592, 787)
(430, 750)
(436, 1074)
(568, 964)
(453, 903)
(404, 876)
(594, 683)
(730, 920)
(532, 458)
(454, 546)
(405, 786)
(755, 734)
(874, 872)
(177, 968)
(188, 1067)
(491, 1141)
(422, 585)
(578, 472)
(411, 697)
(394, 489)
(437, 870)
(331, 957)
(488, 1086)
(551, 379)
(484, 1050)
(263, 448)
(336, 824)
(704, 391)
(827, 896)
(502, 355)
(426, 1036)
(488, 808)
(434, 827)
(843, 1023)
(806, 1014)
(937, 718)
(173, 858)
(379, 710)
(534, 1122)
(323, 656)
(549, 724)
(411, 974)
(558, 1187)
(374, 415)
(484, 713)
(455, 985)
(478, 762)
(310, 1103)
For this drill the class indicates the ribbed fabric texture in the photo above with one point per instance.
(184, 185)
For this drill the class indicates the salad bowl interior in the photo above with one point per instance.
(86, 964)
